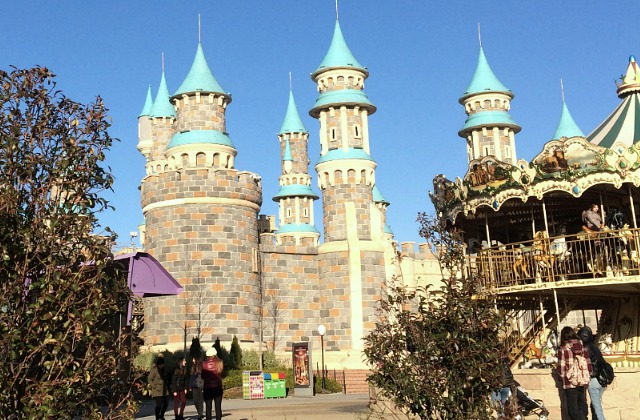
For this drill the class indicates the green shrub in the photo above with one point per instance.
(331, 386)
(236, 354)
(271, 362)
(233, 379)
(196, 351)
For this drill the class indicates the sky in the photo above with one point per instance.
(421, 56)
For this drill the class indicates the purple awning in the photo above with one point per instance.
(147, 277)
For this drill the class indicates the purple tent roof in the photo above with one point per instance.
(147, 277)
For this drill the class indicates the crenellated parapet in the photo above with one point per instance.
(191, 107)
(202, 185)
(337, 172)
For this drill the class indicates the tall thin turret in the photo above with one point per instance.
(295, 197)
(489, 129)
(353, 257)
(145, 141)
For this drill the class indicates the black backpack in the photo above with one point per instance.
(605, 373)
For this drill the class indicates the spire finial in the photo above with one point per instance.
(163, 61)
(562, 89)
(479, 35)
(337, 17)
(290, 88)
(198, 28)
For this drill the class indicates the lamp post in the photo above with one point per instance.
(133, 235)
(322, 330)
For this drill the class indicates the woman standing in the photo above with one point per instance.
(196, 383)
(159, 387)
(212, 374)
(595, 388)
(179, 388)
(570, 347)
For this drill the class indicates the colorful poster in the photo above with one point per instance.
(301, 365)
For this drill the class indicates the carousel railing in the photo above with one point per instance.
(587, 254)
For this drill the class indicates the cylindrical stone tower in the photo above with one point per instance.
(352, 259)
(201, 220)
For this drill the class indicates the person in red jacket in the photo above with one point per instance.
(571, 346)
(212, 368)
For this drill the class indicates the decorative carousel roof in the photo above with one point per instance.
(623, 125)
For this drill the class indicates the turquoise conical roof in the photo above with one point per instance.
(484, 80)
(148, 104)
(292, 122)
(378, 197)
(339, 54)
(287, 152)
(200, 77)
(161, 106)
(567, 127)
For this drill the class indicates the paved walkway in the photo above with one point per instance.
(320, 407)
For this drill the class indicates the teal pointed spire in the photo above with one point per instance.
(378, 197)
(484, 80)
(148, 104)
(292, 122)
(287, 152)
(567, 127)
(161, 106)
(200, 77)
(339, 54)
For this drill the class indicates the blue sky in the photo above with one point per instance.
(421, 56)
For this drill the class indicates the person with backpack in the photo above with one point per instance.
(596, 389)
(574, 368)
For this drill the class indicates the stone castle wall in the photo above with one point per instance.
(210, 247)
(334, 200)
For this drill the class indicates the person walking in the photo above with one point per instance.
(570, 349)
(179, 388)
(212, 368)
(159, 387)
(595, 388)
(196, 383)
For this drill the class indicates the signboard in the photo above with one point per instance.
(302, 372)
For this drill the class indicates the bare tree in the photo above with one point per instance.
(273, 314)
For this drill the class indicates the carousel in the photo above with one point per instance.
(528, 239)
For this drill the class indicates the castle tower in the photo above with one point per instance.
(382, 204)
(567, 127)
(352, 259)
(295, 198)
(201, 218)
(489, 129)
(145, 141)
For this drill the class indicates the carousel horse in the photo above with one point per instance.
(605, 344)
(541, 253)
(600, 254)
(541, 357)
(520, 267)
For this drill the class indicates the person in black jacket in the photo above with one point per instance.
(595, 388)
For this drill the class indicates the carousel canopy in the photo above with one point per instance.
(623, 125)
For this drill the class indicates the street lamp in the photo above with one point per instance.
(133, 235)
(322, 330)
